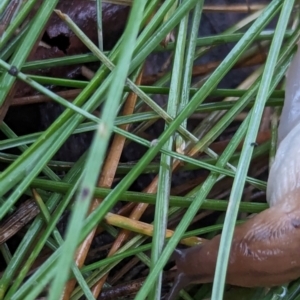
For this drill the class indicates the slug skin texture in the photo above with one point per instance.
(264, 252)
(265, 249)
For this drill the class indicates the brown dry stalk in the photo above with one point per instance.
(14, 223)
(262, 137)
(129, 266)
(117, 145)
(139, 210)
(123, 235)
(105, 180)
(68, 95)
(205, 69)
(242, 8)
(87, 73)
(122, 290)
(145, 228)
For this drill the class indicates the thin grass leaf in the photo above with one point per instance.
(33, 33)
(165, 170)
(97, 151)
(239, 180)
(99, 24)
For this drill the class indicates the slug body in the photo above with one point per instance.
(264, 252)
(290, 115)
(265, 249)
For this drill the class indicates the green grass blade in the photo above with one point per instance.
(97, 152)
(242, 169)
(32, 35)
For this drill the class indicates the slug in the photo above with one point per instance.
(265, 249)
